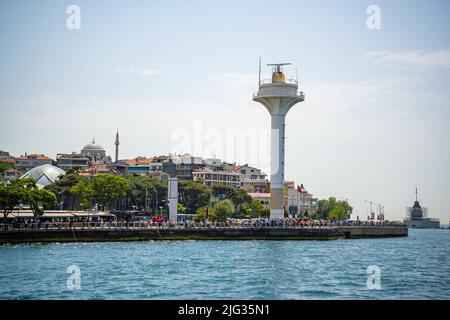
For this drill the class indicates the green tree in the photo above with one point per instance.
(83, 190)
(143, 190)
(194, 195)
(41, 199)
(224, 210)
(338, 213)
(14, 193)
(219, 190)
(180, 208)
(62, 189)
(204, 213)
(326, 207)
(239, 197)
(254, 209)
(265, 212)
(107, 188)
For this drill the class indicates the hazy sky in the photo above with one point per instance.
(375, 123)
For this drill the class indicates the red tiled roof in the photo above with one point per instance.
(37, 156)
(7, 160)
(139, 161)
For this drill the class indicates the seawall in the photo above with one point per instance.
(145, 234)
(374, 231)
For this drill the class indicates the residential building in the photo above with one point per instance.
(186, 165)
(74, 161)
(10, 174)
(210, 177)
(300, 202)
(294, 201)
(248, 172)
(262, 197)
(255, 185)
(29, 161)
(169, 167)
(4, 155)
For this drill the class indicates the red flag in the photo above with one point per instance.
(299, 189)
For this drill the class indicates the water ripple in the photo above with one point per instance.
(416, 267)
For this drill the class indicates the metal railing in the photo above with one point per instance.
(298, 93)
(269, 81)
(51, 226)
(118, 225)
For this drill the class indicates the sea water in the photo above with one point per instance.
(413, 267)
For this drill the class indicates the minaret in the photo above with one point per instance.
(278, 95)
(117, 146)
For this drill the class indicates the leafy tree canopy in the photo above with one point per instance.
(224, 210)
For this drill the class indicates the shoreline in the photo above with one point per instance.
(210, 234)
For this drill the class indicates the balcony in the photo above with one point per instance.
(264, 93)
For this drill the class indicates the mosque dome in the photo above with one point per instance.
(45, 174)
(93, 147)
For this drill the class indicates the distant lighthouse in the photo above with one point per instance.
(278, 95)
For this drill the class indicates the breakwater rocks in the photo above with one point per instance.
(226, 233)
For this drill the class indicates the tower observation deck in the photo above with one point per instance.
(278, 95)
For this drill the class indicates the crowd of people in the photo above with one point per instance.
(162, 222)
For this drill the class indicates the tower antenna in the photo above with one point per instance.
(259, 76)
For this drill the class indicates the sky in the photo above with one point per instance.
(178, 76)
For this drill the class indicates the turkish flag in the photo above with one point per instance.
(299, 189)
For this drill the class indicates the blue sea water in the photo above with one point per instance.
(416, 267)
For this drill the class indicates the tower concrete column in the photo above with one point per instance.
(277, 166)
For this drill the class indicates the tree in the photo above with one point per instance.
(205, 213)
(224, 210)
(239, 197)
(180, 208)
(254, 209)
(194, 195)
(83, 190)
(222, 191)
(13, 194)
(144, 191)
(326, 207)
(62, 189)
(107, 188)
(21, 191)
(41, 199)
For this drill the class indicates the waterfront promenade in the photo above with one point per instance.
(142, 231)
